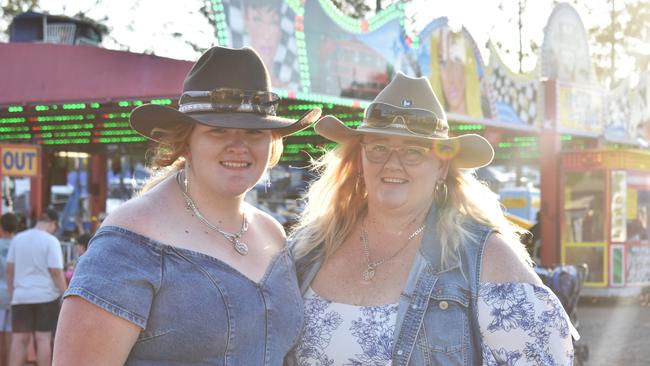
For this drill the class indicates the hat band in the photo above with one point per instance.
(221, 108)
(399, 126)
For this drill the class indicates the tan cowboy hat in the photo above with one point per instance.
(414, 97)
(228, 88)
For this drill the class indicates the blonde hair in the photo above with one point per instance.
(173, 145)
(337, 201)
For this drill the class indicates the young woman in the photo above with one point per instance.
(188, 273)
(404, 258)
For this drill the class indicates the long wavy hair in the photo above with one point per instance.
(337, 201)
(173, 145)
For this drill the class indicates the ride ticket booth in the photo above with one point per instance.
(604, 213)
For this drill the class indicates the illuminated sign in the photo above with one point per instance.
(20, 160)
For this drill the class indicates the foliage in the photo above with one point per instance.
(11, 8)
(623, 40)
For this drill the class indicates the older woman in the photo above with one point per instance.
(188, 273)
(404, 257)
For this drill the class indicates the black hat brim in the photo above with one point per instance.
(145, 118)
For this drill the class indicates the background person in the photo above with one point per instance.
(404, 257)
(9, 225)
(188, 273)
(35, 281)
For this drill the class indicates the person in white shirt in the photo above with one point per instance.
(35, 282)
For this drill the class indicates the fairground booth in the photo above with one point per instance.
(73, 102)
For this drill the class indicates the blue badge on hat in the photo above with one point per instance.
(407, 103)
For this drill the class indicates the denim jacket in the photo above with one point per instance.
(437, 320)
(193, 308)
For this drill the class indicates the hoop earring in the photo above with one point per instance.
(440, 193)
(359, 183)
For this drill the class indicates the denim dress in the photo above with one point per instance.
(193, 308)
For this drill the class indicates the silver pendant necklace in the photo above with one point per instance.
(234, 238)
(371, 266)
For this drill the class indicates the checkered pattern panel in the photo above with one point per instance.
(520, 96)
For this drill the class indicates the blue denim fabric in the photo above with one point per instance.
(437, 319)
(193, 308)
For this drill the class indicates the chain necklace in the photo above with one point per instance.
(370, 270)
(234, 238)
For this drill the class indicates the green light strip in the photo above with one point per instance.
(112, 140)
(13, 120)
(14, 129)
(116, 124)
(66, 142)
(74, 106)
(75, 126)
(17, 136)
(117, 132)
(14, 109)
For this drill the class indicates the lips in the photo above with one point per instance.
(231, 164)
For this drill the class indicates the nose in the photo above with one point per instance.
(393, 160)
(237, 142)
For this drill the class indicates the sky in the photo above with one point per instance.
(149, 25)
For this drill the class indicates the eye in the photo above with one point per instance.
(415, 151)
(254, 132)
(217, 130)
(378, 148)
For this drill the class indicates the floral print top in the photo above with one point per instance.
(520, 324)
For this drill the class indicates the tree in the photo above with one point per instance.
(622, 42)
(527, 48)
(11, 8)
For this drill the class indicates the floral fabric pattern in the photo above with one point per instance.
(342, 334)
(523, 324)
(520, 324)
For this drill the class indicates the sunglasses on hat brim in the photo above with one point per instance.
(229, 100)
(420, 122)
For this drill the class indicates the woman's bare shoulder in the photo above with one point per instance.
(265, 220)
(141, 214)
(504, 262)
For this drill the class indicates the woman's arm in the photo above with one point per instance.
(89, 335)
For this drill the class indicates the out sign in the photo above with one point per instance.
(20, 160)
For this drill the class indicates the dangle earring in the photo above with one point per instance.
(185, 177)
(440, 193)
(267, 183)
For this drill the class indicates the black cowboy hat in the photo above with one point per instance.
(228, 88)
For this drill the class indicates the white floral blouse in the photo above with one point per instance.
(520, 324)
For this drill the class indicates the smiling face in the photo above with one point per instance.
(394, 185)
(227, 162)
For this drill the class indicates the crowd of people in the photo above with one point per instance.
(401, 256)
(32, 281)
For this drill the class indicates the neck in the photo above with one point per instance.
(41, 226)
(395, 222)
(223, 211)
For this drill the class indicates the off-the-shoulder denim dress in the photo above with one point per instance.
(193, 308)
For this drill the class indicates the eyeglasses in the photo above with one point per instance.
(418, 121)
(408, 155)
(230, 100)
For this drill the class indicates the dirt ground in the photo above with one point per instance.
(617, 333)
